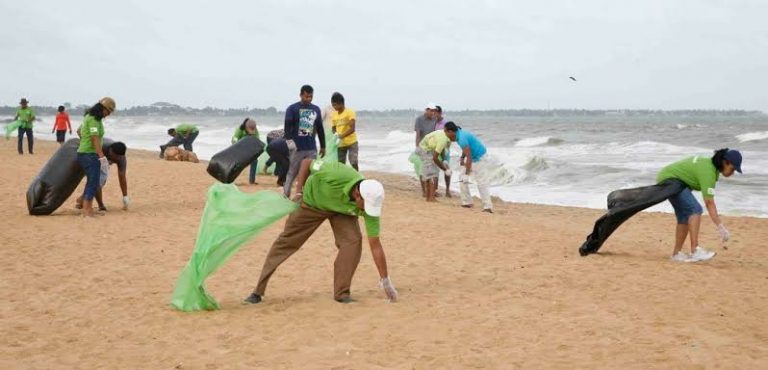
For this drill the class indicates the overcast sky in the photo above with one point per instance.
(388, 54)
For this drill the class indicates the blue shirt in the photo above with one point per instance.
(302, 122)
(476, 148)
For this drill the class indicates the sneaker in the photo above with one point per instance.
(252, 299)
(701, 254)
(680, 257)
(466, 205)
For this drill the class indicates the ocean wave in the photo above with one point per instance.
(538, 141)
(752, 136)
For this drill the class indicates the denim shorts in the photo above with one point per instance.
(685, 205)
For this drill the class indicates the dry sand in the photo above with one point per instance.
(476, 291)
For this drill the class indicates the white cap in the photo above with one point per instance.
(432, 106)
(373, 194)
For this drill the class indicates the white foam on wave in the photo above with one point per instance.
(538, 141)
(752, 136)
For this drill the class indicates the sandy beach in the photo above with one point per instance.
(507, 290)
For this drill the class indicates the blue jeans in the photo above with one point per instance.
(30, 139)
(685, 205)
(89, 162)
(252, 174)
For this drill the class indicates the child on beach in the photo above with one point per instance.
(61, 126)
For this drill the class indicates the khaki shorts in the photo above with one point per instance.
(429, 169)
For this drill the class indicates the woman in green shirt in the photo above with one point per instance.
(698, 173)
(248, 128)
(89, 153)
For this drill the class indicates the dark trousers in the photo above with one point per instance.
(278, 153)
(30, 140)
(180, 140)
(301, 224)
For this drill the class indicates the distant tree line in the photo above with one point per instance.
(169, 109)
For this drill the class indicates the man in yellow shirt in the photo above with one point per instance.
(343, 122)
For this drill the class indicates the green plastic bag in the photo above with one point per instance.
(230, 219)
(414, 158)
(331, 154)
(11, 127)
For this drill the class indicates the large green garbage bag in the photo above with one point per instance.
(11, 127)
(414, 158)
(331, 154)
(230, 219)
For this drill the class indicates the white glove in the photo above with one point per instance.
(336, 139)
(448, 172)
(724, 234)
(389, 289)
(463, 177)
(126, 202)
(291, 145)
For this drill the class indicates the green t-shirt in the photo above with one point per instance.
(26, 115)
(90, 127)
(186, 128)
(328, 188)
(435, 141)
(239, 134)
(697, 172)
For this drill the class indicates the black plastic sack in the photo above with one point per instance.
(227, 164)
(625, 203)
(56, 181)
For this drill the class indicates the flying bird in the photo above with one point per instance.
(574, 80)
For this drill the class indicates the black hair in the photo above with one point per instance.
(61, 108)
(242, 125)
(718, 158)
(171, 131)
(307, 89)
(356, 186)
(96, 111)
(450, 126)
(337, 98)
(118, 148)
(439, 109)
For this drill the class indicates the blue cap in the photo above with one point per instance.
(734, 157)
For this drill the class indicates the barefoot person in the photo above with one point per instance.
(303, 122)
(698, 173)
(335, 192)
(343, 121)
(440, 122)
(431, 151)
(90, 154)
(474, 163)
(61, 125)
(115, 153)
(424, 124)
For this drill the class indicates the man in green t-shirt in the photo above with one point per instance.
(184, 134)
(335, 192)
(698, 173)
(26, 115)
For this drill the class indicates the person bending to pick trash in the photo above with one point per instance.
(329, 190)
(475, 165)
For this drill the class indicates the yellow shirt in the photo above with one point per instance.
(435, 141)
(342, 122)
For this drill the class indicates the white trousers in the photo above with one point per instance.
(480, 177)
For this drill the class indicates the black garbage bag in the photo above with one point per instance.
(56, 181)
(625, 203)
(227, 164)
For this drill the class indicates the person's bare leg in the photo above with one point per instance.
(99, 201)
(88, 208)
(79, 202)
(693, 229)
(423, 188)
(448, 186)
(681, 232)
(431, 190)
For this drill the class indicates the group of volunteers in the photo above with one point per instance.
(94, 154)
(334, 191)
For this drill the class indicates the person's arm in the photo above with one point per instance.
(712, 210)
(438, 162)
(350, 130)
(69, 125)
(302, 176)
(468, 159)
(54, 126)
(320, 132)
(121, 175)
(289, 123)
(379, 258)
